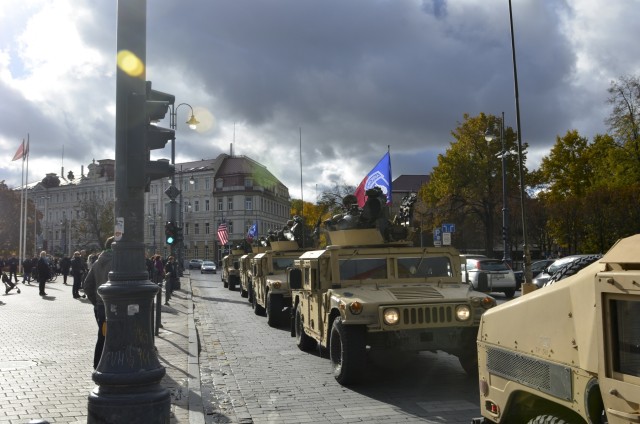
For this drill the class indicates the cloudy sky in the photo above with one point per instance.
(343, 78)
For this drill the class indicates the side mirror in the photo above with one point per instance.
(295, 278)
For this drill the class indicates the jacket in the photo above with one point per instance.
(97, 276)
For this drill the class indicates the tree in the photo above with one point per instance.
(624, 121)
(466, 185)
(331, 200)
(96, 224)
(9, 224)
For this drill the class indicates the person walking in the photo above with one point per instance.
(27, 268)
(43, 271)
(170, 274)
(97, 276)
(158, 270)
(77, 270)
(13, 268)
(65, 266)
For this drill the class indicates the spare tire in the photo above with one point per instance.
(572, 268)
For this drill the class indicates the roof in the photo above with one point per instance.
(409, 183)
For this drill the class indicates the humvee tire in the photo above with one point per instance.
(225, 284)
(233, 280)
(347, 351)
(257, 309)
(304, 342)
(572, 268)
(547, 419)
(509, 293)
(243, 292)
(469, 363)
(274, 309)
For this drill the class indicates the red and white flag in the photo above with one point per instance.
(223, 235)
(23, 151)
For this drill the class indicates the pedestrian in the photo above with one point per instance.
(170, 274)
(13, 268)
(77, 271)
(65, 266)
(158, 269)
(43, 271)
(97, 276)
(27, 268)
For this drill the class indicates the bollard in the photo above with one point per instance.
(168, 289)
(158, 309)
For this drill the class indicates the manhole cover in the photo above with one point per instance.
(14, 365)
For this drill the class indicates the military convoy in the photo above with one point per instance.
(568, 352)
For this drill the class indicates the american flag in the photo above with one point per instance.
(223, 235)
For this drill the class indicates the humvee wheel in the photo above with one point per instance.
(243, 292)
(304, 342)
(347, 351)
(469, 363)
(257, 309)
(250, 293)
(225, 284)
(547, 419)
(232, 282)
(509, 293)
(274, 309)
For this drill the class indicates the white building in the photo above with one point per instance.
(233, 189)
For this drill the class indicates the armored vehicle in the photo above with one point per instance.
(366, 293)
(230, 274)
(568, 353)
(244, 270)
(270, 292)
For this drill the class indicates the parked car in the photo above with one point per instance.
(500, 277)
(536, 268)
(564, 267)
(195, 263)
(208, 266)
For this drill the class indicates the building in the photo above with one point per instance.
(233, 189)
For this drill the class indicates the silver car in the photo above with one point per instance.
(208, 267)
(490, 275)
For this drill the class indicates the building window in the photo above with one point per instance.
(230, 227)
(248, 182)
(206, 205)
(195, 251)
(219, 183)
(186, 229)
(230, 203)
(220, 203)
(195, 183)
(206, 228)
(207, 183)
(248, 203)
(196, 228)
(196, 206)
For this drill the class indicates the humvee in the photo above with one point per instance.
(270, 293)
(244, 270)
(569, 352)
(230, 274)
(362, 294)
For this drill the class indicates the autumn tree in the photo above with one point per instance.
(96, 224)
(9, 224)
(624, 121)
(466, 185)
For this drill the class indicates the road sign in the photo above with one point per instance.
(437, 237)
(448, 228)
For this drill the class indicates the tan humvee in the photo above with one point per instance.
(567, 353)
(230, 274)
(270, 292)
(245, 271)
(361, 294)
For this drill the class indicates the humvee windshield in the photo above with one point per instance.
(424, 267)
(281, 264)
(376, 268)
(626, 333)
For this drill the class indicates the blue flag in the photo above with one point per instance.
(253, 232)
(379, 176)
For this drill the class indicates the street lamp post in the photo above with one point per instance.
(527, 285)
(489, 136)
(192, 122)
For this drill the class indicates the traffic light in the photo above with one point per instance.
(170, 232)
(179, 237)
(142, 136)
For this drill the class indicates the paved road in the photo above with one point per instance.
(252, 373)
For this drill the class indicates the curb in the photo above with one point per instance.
(196, 408)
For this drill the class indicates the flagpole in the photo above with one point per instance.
(21, 258)
(26, 200)
(301, 190)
